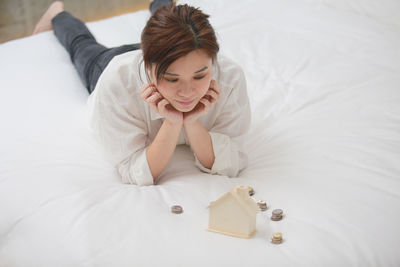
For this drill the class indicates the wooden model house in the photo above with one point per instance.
(234, 213)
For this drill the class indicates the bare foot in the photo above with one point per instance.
(44, 23)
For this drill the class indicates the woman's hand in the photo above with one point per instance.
(204, 104)
(160, 105)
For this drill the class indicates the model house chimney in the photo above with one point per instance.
(242, 191)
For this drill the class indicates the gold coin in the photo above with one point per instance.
(251, 191)
(273, 241)
(277, 236)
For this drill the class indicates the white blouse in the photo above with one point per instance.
(125, 125)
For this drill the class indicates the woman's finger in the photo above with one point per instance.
(216, 90)
(215, 86)
(213, 94)
(212, 84)
(147, 90)
(144, 87)
(161, 105)
(154, 97)
(206, 103)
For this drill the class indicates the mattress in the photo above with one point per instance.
(323, 79)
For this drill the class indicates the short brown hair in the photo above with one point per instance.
(175, 31)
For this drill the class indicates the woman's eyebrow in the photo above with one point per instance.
(200, 70)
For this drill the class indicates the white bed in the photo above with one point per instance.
(324, 84)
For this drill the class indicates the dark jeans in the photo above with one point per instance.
(89, 57)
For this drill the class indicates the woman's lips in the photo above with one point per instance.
(185, 103)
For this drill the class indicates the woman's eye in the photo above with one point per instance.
(171, 80)
(199, 77)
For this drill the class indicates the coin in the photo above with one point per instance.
(277, 212)
(277, 238)
(262, 202)
(176, 209)
(277, 215)
(262, 205)
(263, 208)
(276, 218)
(251, 191)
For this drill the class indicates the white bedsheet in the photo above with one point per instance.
(324, 84)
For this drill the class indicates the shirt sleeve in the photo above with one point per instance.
(228, 132)
(118, 123)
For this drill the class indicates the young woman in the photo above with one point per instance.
(171, 89)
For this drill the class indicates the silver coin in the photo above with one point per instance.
(176, 209)
(276, 218)
(263, 208)
(277, 212)
(262, 205)
(261, 202)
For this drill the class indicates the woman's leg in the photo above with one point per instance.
(79, 43)
(89, 57)
(156, 4)
(99, 63)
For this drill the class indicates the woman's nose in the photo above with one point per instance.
(185, 90)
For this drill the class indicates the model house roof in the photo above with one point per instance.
(241, 194)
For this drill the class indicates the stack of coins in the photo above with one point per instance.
(277, 215)
(176, 209)
(262, 205)
(251, 191)
(277, 238)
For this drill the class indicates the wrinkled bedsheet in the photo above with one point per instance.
(324, 146)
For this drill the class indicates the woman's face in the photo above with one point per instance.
(186, 80)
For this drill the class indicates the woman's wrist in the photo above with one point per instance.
(187, 121)
(161, 149)
(201, 143)
(174, 124)
(190, 126)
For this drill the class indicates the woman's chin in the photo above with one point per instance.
(182, 109)
(185, 108)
